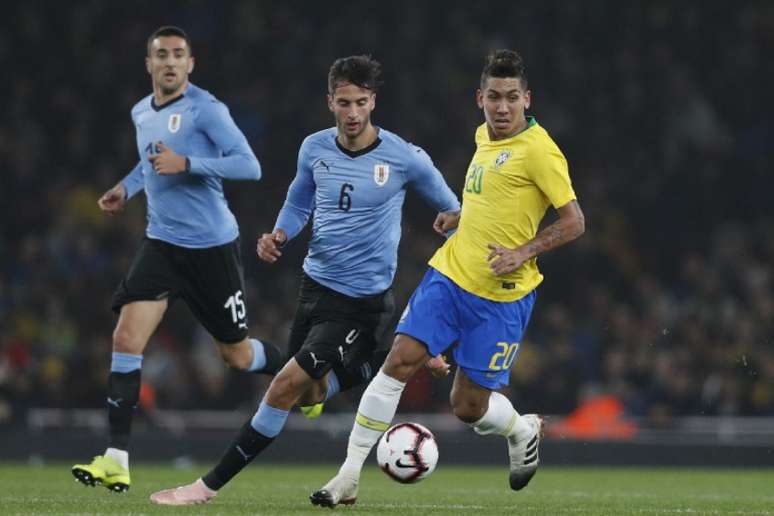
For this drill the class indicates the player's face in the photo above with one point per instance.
(169, 63)
(351, 105)
(504, 100)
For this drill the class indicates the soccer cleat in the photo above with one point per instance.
(312, 411)
(103, 471)
(339, 490)
(191, 494)
(524, 453)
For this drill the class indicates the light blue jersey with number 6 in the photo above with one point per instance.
(355, 200)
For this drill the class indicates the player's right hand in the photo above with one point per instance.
(446, 221)
(438, 366)
(268, 248)
(113, 200)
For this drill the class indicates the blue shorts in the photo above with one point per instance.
(488, 333)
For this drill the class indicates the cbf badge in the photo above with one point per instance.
(502, 158)
(174, 123)
(381, 174)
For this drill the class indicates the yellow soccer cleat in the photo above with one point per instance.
(312, 411)
(104, 471)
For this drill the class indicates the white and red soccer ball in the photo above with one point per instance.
(407, 452)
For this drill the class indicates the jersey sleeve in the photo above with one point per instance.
(238, 160)
(422, 175)
(547, 167)
(134, 182)
(299, 202)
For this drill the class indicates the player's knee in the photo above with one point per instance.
(126, 341)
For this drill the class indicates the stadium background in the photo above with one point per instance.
(664, 308)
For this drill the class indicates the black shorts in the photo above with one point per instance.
(334, 331)
(209, 280)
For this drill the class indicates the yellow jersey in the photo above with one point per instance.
(509, 185)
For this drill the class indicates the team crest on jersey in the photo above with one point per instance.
(174, 123)
(502, 158)
(381, 174)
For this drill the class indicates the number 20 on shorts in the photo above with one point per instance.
(504, 358)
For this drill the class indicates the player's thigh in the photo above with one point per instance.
(213, 287)
(491, 338)
(430, 318)
(136, 323)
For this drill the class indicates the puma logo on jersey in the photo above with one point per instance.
(316, 361)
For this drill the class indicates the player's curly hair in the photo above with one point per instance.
(169, 30)
(504, 63)
(363, 71)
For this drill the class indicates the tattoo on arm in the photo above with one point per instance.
(571, 225)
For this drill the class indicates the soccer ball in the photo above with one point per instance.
(407, 453)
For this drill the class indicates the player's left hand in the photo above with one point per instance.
(446, 221)
(166, 162)
(438, 366)
(503, 260)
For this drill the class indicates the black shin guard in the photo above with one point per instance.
(247, 445)
(123, 395)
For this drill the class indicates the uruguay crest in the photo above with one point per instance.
(381, 174)
(502, 158)
(174, 123)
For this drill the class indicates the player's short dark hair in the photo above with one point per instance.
(363, 71)
(504, 63)
(169, 30)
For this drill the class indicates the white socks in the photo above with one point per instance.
(120, 456)
(502, 419)
(374, 414)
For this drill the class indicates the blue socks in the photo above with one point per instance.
(268, 421)
(259, 355)
(125, 362)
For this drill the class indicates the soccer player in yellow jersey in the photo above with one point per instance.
(480, 288)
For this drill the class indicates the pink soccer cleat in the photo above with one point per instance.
(191, 494)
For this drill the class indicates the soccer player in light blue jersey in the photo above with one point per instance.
(188, 144)
(352, 180)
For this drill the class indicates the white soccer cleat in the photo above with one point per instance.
(524, 454)
(191, 494)
(341, 489)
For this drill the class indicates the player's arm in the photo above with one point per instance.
(571, 225)
(294, 214)
(429, 182)
(236, 162)
(114, 199)
(548, 169)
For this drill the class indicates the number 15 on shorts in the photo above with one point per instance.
(237, 307)
(503, 359)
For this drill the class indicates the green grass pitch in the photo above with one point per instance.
(282, 489)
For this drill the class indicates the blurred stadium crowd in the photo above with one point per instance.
(662, 109)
